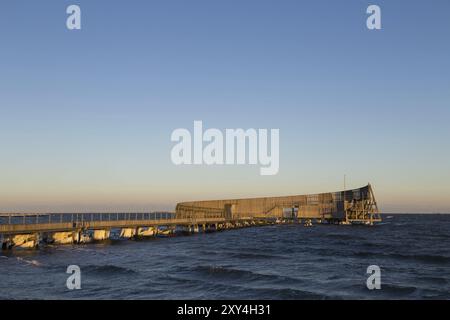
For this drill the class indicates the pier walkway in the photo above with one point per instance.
(28, 230)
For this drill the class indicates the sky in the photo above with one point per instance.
(86, 115)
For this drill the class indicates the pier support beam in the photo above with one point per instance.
(165, 232)
(146, 232)
(26, 241)
(127, 233)
(63, 237)
(6, 243)
(101, 235)
(209, 228)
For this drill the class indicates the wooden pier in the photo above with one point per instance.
(29, 230)
(344, 207)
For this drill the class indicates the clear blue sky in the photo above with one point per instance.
(86, 116)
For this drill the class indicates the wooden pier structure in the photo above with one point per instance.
(357, 206)
(347, 207)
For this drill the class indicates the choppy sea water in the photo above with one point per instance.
(271, 262)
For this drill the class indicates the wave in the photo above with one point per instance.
(249, 255)
(430, 258)
(244, 289)
(243, 275)
(387, 290)
(107, 269)
(398, 289)
(435, 280)
(288, 294)
(223, 271)
(400, 256)
(343, 236)
(420, 257)
(30, 262)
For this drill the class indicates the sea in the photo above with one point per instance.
(288, 261)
